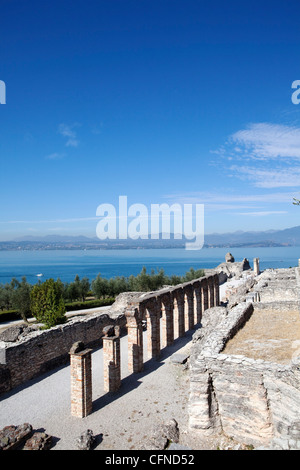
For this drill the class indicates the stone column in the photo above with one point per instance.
(167, 320)
(216, 290)
(178, 313)
(204, 290)
(197, 302)
(135, 339)
(189, 307)
(256, 266)
(211, 296)
(111, 359)
(81, 380)
(153, 330)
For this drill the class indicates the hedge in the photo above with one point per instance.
(11, 315)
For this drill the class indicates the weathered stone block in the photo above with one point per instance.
(13, 437)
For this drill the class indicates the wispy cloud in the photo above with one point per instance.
(68, 132)
(265, 141)
(71, 220)
(229, 197)
(234, 203)
(269, 178)
(265, 154)
(55, 156)
(262, 213)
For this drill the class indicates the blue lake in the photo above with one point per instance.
(65, 264)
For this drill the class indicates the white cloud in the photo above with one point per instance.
(55, 156)
(261, 213)
(78, 219)
(270, 154)
(68, 131)
(267, 141)
(226, 197)
(269, 178)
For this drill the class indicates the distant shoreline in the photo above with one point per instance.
(38, 246)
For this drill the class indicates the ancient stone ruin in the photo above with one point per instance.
(245, 365)
(172, 311)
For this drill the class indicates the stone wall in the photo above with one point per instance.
(41, 351)
(251, 400)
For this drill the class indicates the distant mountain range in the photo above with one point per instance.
(286, 237)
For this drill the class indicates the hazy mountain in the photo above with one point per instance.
(55, 238)
(286, 237)
(289, 236)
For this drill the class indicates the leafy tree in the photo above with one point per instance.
(192, 274)
(72, 292)
(6, 292)
(100, 287)
(47, 303)
(84, 288)
(174, 280)
(21, 297)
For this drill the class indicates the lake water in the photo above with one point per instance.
(65, 264)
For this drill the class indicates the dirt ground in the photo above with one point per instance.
(269, 335)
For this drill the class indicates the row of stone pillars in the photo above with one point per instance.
(180, 308)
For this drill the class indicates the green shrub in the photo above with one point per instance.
(47, 304)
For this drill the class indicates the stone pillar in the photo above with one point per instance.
(167, 320)
(204, 290)
(135, 339)
(216, 290)
(81, 380)
(197, 302)
(111, 359)
(189, 307)
(211, 296)
(153, 330)
(178, 313)
(256, 266)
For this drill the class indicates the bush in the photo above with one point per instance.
(21, 298)
(47, 304)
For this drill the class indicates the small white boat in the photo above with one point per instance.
(40, 275)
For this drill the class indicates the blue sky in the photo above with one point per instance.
(162, 101)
